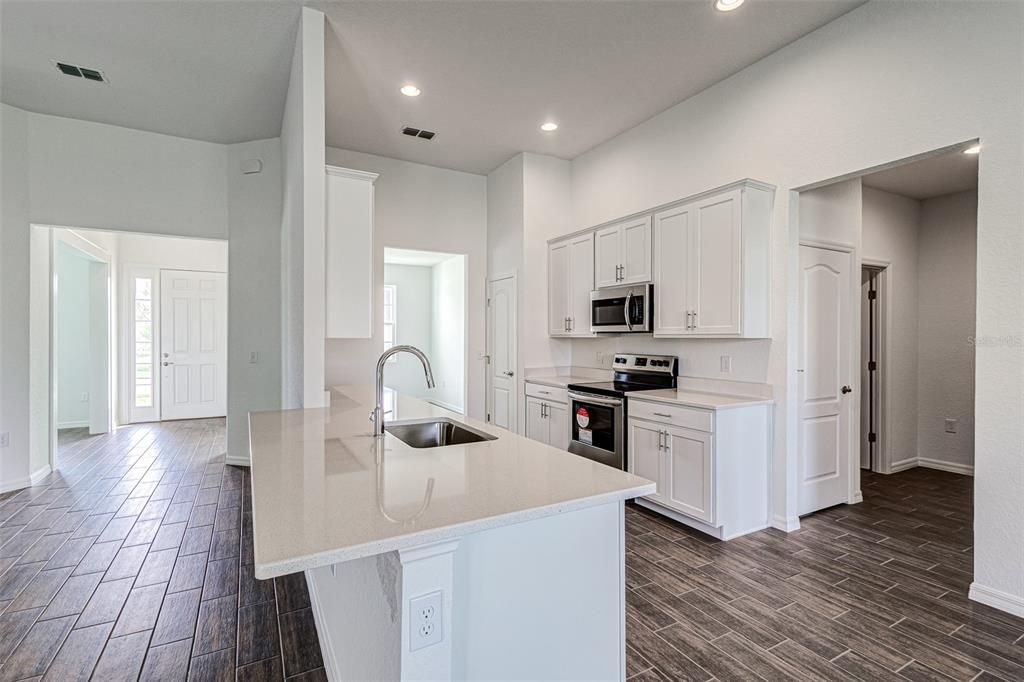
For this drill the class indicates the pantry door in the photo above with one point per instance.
(193, 344)
(825, 378)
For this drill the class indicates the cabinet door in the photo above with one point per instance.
(636, 251)
(581, 284)
(607, 249)
(691, 473)
(559, 265)
(671, 253)
(714, 265)
(646, 458)
(536, 423)
(558, 426)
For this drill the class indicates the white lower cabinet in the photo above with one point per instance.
(547, 415)
(710, 466)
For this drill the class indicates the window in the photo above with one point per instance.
(390, 318)
(143, 304)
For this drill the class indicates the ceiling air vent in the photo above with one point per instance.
(416, 132)
(80, 72)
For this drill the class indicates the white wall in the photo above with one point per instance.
(890, 235)
(448, 332)
(415, 318)
(14, 304)
(91, 175)
(73, 349)
(173, 252)
(254, 289)
(303, 134)
(946, 354)
(427, 209)
(858, 93)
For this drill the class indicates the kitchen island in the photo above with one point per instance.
(499, 559)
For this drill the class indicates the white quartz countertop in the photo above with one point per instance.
(323, 493)
(691, 398)
(560, 380)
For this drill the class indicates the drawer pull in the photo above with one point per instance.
(545, 392)
(662, 414)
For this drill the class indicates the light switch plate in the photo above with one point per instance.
(951, 426)
(725, 364)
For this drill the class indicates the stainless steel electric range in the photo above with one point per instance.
(598, 410)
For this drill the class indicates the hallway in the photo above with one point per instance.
(134, 561)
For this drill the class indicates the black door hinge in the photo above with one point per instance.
(872, 437)
(872, 366)
(872, 295)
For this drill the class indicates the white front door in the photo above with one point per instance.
(825, 376)
(501, 325)
(193, 344)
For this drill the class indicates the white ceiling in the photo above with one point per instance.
(933, 177)
(215, 71)
(410, 257)
(492, 72)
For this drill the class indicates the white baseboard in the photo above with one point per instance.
(39, 474)
(236, 461)
(997, 599)
(15, 484)
(72, 425)
(858, 497)
(786, 524)
(903, 465)
(966, 469)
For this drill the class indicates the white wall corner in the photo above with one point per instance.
(997, 599)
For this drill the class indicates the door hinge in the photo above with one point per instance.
(872, 295)
(872, 366)
(488, 417)
(488, 302)
(872, 437)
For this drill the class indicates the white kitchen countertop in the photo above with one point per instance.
(691, 398)
(560, 380)
(322, 494)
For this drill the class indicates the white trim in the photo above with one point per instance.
(997, 599)
(320, 622)
(829, 245)
(39, 474)
(883, 463)
(15, 484)
(902, 465)
(236, 461)
(72, 425)
(954, 467)
(786, 524)
(131, 414)
(858, 497)
(351, 173)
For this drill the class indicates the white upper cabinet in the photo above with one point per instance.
(349, 254)
(570, 281)
(712, 265)
(622, 253)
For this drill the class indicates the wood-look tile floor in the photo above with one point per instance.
(134, 561)
(874, 591)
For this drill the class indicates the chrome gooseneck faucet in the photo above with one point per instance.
(377, 416)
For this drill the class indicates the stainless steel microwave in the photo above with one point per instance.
(622, 310)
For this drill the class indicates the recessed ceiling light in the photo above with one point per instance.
(410, 90)
(727, 5)
(549, 127)
(973, 149)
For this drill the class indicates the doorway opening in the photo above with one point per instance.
(424, 305)
(911, 231)
(125, 328)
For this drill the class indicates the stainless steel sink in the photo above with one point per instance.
(435, 433)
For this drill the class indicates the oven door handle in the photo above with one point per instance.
(588, 398)
(629, 310)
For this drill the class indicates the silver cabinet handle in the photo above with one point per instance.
(545, 392)
(661, 414)
(668, 445)
(572, 324)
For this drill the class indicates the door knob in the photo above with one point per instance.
(508, 374)
(846, 389)
(167, 363)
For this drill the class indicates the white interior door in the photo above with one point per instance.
(825, 378)
(501, 381)
(193, 344)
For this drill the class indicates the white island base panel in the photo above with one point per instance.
(538, 600)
